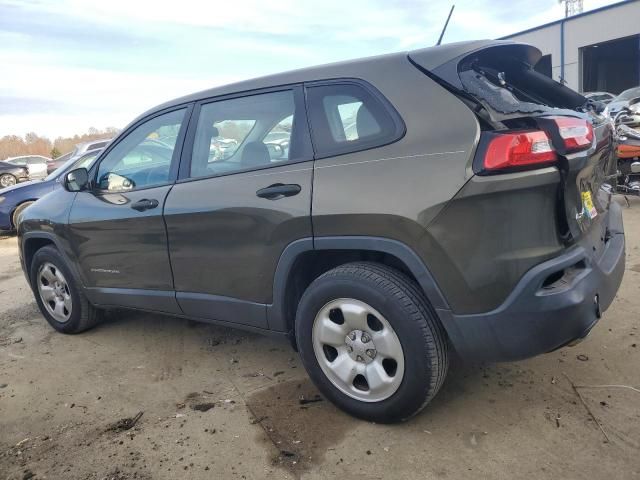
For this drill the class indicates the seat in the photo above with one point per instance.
(255, 154)
(366, 124)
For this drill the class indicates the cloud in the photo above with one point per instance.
(71, 64)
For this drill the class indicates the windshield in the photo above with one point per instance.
(628, 94)
(82, 162)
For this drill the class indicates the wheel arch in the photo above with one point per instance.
(13, 210)
(31, 242)
(304, 260)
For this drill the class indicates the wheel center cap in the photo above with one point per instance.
(360, 346)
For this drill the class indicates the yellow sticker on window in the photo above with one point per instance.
(587, 205)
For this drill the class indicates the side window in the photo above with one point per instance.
(35, 161)
(143, 157)
(246, 133)
(346, 117)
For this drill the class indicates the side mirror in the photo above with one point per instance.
(76, 180)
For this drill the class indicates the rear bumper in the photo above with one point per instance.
(538, 318)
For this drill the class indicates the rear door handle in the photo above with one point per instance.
(145, 204)
(279, 190)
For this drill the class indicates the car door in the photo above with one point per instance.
(116, 227)
(37, 167)
(241, 199)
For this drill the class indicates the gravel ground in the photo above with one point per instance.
(221, 403)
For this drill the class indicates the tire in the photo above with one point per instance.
(7, 180)
(388, 298)
(16, 213)
(80, 314)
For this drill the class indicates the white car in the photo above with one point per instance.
(36, 164)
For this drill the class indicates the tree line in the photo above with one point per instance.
(34, 144)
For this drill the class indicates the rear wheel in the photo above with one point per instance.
(7, 180)
(58, 293)
(16, 213)
(370, 341)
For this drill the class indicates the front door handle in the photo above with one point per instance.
(145, 204)
(279, 190)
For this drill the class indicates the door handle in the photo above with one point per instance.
(279, 190)
(145, 204)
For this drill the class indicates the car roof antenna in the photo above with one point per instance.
(445, 25)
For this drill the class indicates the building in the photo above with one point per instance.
(598, 50)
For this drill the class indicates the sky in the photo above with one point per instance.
(68, 65)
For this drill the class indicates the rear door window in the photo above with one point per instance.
(250, 132)
(347, 117)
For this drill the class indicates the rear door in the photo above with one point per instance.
(243, 195)
(116, 227)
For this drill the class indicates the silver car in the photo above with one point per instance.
(36, 164)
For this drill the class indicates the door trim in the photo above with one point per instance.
(221, 308)
(152, 300)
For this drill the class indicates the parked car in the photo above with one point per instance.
(14, 199)
(622, 101)
(604, 97)
(36, 165)
(11, 174)
(466, 213)
(57, 162)
(91, 145)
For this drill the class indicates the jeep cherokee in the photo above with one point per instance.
(448, 199)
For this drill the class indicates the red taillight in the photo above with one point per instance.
(519, 149)
(576, 133)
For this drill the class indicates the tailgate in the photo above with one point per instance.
(498, 81)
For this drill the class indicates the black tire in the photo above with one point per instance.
(404, 306)
(83, 315)
(16, 213)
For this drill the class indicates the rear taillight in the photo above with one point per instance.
(518, 150)
(576, 133)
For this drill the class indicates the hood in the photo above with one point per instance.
(617, 106)
(20, 186)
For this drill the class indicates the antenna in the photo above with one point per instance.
(445, 25)
(572, 7)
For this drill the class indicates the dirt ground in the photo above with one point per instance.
(220, 403)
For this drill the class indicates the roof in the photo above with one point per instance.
(568, 19)
(431, 57)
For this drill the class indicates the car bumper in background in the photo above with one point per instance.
(537, 317)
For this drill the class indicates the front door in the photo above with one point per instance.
(243, 196)
(116, 228)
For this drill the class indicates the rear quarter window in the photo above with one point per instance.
(348, 117)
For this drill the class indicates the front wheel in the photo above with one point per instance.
(15, 218)
(58, 293)
(7, 180)
(371, 342)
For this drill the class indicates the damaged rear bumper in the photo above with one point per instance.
(554, 304)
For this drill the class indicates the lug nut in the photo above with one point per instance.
(365, 338)
(349, 348)
(371, 353)
(352, 336)
(359, 358)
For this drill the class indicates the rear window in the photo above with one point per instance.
(504, 77)
(347, 117)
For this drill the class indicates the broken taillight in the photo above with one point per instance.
(515, 150)
(576, 133)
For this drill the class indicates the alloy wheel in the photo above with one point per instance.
(54, 292)
(7, 180)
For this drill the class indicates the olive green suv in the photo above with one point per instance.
(381, 213)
